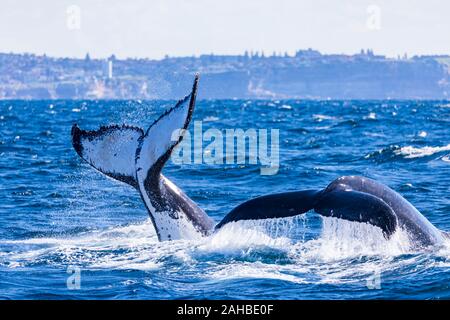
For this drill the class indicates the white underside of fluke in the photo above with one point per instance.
(112, 152)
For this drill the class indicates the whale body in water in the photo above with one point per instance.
(136, 157)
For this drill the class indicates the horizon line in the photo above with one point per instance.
(258, 53)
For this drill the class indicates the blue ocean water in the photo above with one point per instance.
(57, 214)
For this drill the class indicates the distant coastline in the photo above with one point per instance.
(306, 75)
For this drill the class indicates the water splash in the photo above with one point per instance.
(343, 253)
(131, 245)
(342, 239)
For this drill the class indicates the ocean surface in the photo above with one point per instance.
(61, 221)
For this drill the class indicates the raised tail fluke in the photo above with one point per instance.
(129, 155)
(174, 215)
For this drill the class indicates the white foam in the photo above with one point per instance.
(128, 235)
(422, 134)
(344, 252)
(321, 117)
(237, 236)
(256, 270)
(210, 119)
(371, 116)
(92, 248)
(410, 152)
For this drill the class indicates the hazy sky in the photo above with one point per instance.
(153, 28)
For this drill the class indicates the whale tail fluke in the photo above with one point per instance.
(347, 205)
(111, 150)
(127, 152)
(272, 206)
(134, 156)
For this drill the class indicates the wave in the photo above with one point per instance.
(344, 252)
(407, 152)
(210, 119)
(410, 152)
(321, 117)
(370, 116)
(279, 249)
